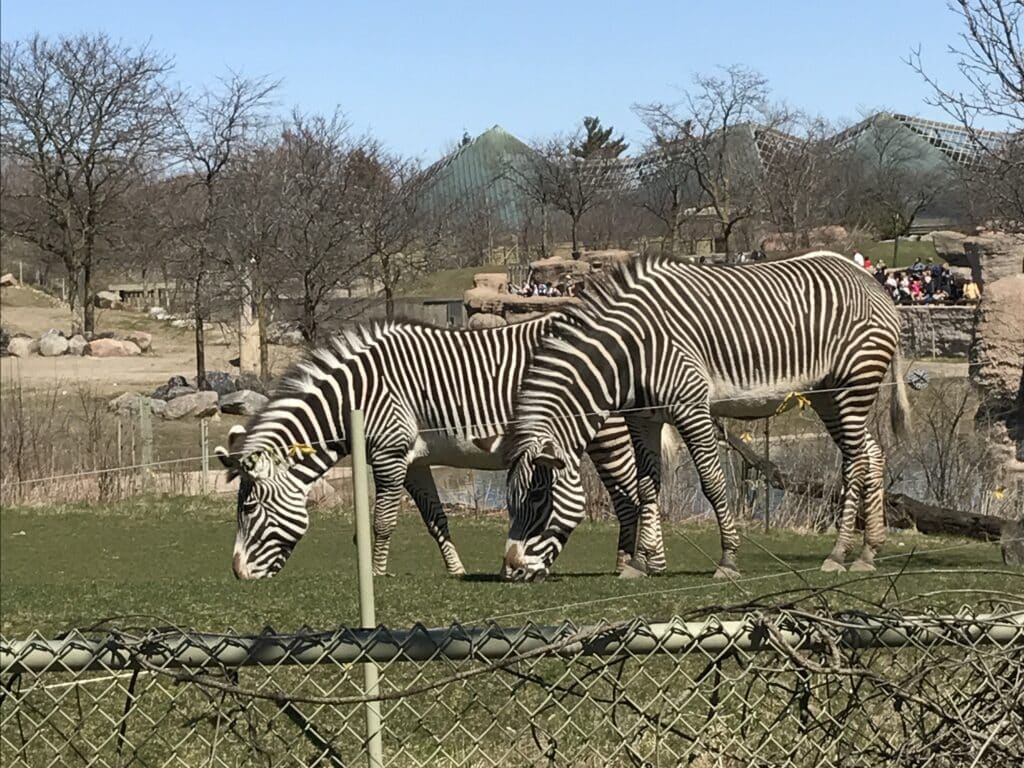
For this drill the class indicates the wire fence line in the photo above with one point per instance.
(796, 685)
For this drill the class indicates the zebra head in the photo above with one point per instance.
(545, 503)
(271, 512)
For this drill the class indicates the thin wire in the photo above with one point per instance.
(426, 431)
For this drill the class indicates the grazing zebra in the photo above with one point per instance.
(430, 396)
(664, 341)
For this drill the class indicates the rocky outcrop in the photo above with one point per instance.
(997, 365)
(77, 345)
(992, 257)
(129, 404)
(112, 348)
(949, 247)
(141, 339)
(491, 281)
(244, 402)
(198, 404)
(936, 331)
(53, 344)
(554, 270)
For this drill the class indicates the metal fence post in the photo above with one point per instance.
(204, 453)
(767, 485)
(367, 612)
(146, 437)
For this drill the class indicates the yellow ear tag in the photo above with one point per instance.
(787, 403)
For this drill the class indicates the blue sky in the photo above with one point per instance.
(419, 74)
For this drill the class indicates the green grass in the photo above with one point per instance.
(908, 252)
(445, 283)
(170, 557)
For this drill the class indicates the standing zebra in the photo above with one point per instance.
(430, 396)
(683, 344)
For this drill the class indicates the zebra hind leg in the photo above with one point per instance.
(874, 508)
(419, 482)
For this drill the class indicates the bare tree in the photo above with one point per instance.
(319, 209)
(893, 178)
(990, 57)
(213, 128)
(801, 183)
(709, 134)
(87, 119)
(667, 187)
(391, 217)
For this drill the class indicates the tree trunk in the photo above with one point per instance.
(200, 337)
(575, 244)
(543, 231)
(389, 300)
(261, 323)
(89, 309)
(895, 250)
(308, 313)
(78, 308)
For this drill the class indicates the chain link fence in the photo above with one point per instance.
(772, 686)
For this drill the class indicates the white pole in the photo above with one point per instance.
(367, 612)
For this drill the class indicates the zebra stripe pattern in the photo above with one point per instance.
(683, 344)
(430, 396)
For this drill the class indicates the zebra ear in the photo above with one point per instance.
(231, 463)
(236, 437)
(550, 456)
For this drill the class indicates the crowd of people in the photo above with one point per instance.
(568, 287)
(924, 282)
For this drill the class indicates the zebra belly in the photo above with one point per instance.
(445, 450)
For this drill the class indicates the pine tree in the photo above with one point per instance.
(598, 141)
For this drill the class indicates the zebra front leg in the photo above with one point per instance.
(419, 482)
(701, 438)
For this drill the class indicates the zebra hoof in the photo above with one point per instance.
(629, 572)
(861, 566)
(457, 574)
(724, 572)
(832, 566)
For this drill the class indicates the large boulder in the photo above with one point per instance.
(244, 402)
(174, 392)
(163, 391)
(108, 300)
(217, 381)
(485, 320)
(112, 348)
(993, 256)
(53, 344)
(143, 340)
(554, 270)
(129, 404)
(491, 281)
(22, 346)
(77, 345)
(250, 381)
(949, 246)
(997, 365)
(198, 404)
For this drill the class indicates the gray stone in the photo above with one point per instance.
(993, 256)
(128, 404)
(142, 340)
(1012, 543)
(52, 344)
(485, 320)
(183, 323)
(198, 404)
(217, 381)
(22, 346)
(108, 300)
(77, 345)
(949, 247)
(245, 402)
(936, 331)
(174, 392)
(157, 313)
(250, 381)
(162, 391)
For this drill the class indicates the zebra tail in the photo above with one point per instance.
(899, 404)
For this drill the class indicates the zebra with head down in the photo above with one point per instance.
(666, 341)
(430, 396)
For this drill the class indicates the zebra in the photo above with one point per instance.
(430, 396)
(664, 341)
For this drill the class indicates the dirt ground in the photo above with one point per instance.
(24, 310)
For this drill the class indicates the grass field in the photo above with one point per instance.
(169, 558)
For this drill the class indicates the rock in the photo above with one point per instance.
(244, 402)
(198, 404)
(218, 381)
(52, 344)
(235, 362)
(993, 256)
(492, 281)
(77, 345)
(143, 340)
(250, 381)
(183, 323)
(112, 348)
(936, 331)
(484, 300)
(554, 270)
(161, 392)
(485, 320)
(22, 346)
(285, 334)
(157, 313)
(997, 365)
(949, 247)
(8, 280)
(174, 392)
(5, 337)
(108, 300)
(129, 404)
